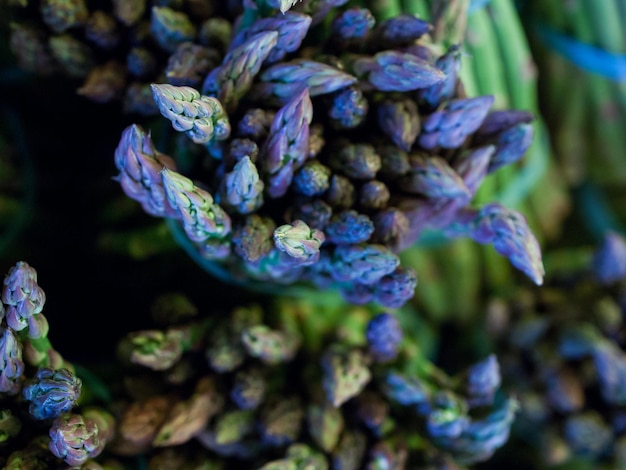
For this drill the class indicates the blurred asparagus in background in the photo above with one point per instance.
(579, 47)
(495, 56)
(561, 348)
(263, 386)
(110, 52)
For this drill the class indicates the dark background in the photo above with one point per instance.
(63, 147)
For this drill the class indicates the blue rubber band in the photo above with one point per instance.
(209, 266)
(587, 57)
(215, 269)
(477, 5)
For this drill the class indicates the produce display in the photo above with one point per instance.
(321, 234)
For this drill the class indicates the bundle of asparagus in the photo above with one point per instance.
(171, 41)
(253, 386)
(496, 57)
(322, 168)
(41, 425)
(290, 383)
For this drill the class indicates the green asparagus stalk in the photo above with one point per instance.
(517, 61)
(432, 301)
(483, 68)
(462, 256)
(449, 18)
(384, 9)
(486, 68)
(486, 65)
(521, 82)
(549, 200)
(565, 84)
(608, 136)
(493, 24)
(493, 69)
(568, 260)
(556, 69)
(603, 23)
(139, 243)
(470, 85)
(416, 7)
(607, 24)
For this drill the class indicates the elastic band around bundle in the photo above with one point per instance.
(587, 57)
(215, 269)
(477, 5)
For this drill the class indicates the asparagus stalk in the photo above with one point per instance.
(416, 7)
(449, 18)
(568, 139)
(517, 60)
(462, 257)
(551, 203)
(488, 74)
(521, 80)
(606, 25)
(485, 60)
(514, 60)
(384, 9)
(433, 300)
(545, 208)
(621, 5)
(609, 134)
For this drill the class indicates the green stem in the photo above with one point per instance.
(384, 9)
(418, 365)
(481, 44)
(607, 24)
(459, 262)
(449, 19)
(94, 384)
(517, 60)
(432, 295)
(549, 200)
(608, 129)
(488, 74)
(521, 82)
(416, 7)
(569, 260)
